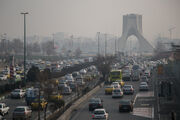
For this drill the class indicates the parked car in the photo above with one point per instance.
(95, 103)
(4, 109)
(128, 89)
(143, 86)
(116, 93)
(22, 112)
(18, 93)
(125, 105)
(100, 114)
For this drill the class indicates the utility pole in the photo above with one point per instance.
(170, 32)
(24, 14)
(105, 45)
(53, 41)
(115, 45)
(71, 42)
(98, 34)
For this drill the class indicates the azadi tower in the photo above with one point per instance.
(132, 25)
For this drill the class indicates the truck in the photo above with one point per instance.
(3, 109)
(31, 95)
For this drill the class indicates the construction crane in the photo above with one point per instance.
(170, 32)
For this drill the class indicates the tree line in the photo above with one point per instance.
(16, 47)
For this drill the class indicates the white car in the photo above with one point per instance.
(116, 85)
(18, 93)
(3, 77)
(143, 86)
(116, 93)
(3, 109)
(100, 114)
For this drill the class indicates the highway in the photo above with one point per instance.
(143, 105)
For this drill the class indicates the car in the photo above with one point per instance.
(55, 96)
(4, 109)
(116, 85)
(73, 86)
(109, 89)
(144, 79)
(80, 81)
(117, 93)
(100, 114)
(95, 103)
(128, 89)
(143, 86)
(35, 104)
(66, 90)
(62, 85)
(126, 105)
(22, 112)
(18, 93)
(3, 77)
(147, 73)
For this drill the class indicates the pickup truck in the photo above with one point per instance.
(3, 109)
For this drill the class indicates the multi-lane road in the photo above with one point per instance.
(143, 105)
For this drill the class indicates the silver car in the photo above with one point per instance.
(143, 86)
(22, 112)
(100, 114)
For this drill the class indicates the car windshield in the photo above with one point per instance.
(115, 73)
(0, 106)
(125, 102)
(143, 83)
(118, 90)
(99, 112)
(19, 109)
(127, 86)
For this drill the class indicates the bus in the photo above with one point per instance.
(116, 76)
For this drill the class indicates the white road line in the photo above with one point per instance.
(134, 99)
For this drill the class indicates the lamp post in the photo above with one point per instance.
(24, 13)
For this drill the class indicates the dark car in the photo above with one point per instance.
(126, 105)
(95, 103)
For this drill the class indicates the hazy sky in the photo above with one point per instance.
(86, 17)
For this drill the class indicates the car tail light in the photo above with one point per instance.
(93, 116)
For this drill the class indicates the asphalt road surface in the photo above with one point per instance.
(143, 105)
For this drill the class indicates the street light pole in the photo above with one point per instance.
(105, 45)
(24, 13)
(98, 33)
